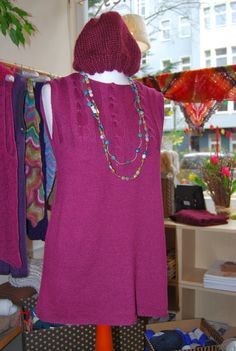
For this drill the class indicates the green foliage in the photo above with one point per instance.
(233, 190)
(14, 23)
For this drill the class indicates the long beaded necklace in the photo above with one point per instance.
(142, 136)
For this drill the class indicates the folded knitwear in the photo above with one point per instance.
(7, 308)
(198, 218)
(34, 277)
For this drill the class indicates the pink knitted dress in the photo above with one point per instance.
(105, 258)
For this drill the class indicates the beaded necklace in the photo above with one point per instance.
(142, 137)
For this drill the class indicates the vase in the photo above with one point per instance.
(222, 210)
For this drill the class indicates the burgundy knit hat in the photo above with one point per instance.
(105, 44)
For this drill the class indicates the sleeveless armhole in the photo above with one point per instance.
(51, 138)
(157, 107)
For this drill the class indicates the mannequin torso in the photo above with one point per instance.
(105, 77)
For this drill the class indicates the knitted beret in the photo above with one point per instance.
(106, 44)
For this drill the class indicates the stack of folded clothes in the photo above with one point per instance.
(199, 218)
(9, 315)
(33, 279)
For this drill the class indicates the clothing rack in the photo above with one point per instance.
(28, 69)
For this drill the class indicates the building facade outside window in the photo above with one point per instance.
(233, 12)
(221, 57)
(165, 30)
(185, 62)
(207, 17)
(184, 27)
(220, 15)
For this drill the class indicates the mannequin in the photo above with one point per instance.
(106, 232)
(105, 77)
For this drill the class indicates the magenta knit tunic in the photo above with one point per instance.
(105, 258)
(9, 230)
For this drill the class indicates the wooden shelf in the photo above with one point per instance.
(8, 336)
(196, 248)
(194, 276)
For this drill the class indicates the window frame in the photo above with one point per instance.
(207, 17)
(221, 56)
(232, 11)
(220, 14)
(163, 29)
(163, 60)
(212, 143)
(181, 26)
(183, 65)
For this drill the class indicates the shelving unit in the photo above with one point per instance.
(196, 249)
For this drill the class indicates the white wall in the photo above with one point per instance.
(50, 47)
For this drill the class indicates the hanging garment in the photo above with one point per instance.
(105, 258)
(48, 159)
(38, 231)
(33, 164)
(18, 96)
(9, 230)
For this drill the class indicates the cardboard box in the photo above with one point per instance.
(187, 326)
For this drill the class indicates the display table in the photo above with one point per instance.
(196, 249)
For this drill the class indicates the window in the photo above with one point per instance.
(165, 29)
(185, 29)
(232, 146)
(207, 58)
(166, 65)
(144, 58)
(212, 142)
(223, 106)
(220, 15)
(221, 57)
(142, 7)
(207, 17)
(233, 55)
(185, 61)
(233, 12)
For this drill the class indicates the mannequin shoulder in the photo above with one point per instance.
(61, 81)
(151, 93)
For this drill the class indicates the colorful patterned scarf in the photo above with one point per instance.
(33, 163)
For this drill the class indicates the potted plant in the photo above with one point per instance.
(218, 179)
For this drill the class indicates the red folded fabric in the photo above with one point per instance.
(200, 218)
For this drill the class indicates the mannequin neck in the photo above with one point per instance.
(110, 77)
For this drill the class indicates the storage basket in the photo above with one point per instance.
(80, 337)
(168, 193)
